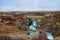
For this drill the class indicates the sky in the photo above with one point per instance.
(29, 5)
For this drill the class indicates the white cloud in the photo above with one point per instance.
(23, 5)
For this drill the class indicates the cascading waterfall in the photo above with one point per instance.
(49, 36)
(33, 25)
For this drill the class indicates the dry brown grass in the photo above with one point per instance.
(57, 38)
(10, 30)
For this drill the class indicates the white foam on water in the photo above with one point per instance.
(49, 36)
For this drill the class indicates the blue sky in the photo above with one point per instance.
(29, 5)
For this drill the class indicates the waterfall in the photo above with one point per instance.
(33, 25)
(49, 36)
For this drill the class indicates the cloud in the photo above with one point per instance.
(20, 5)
